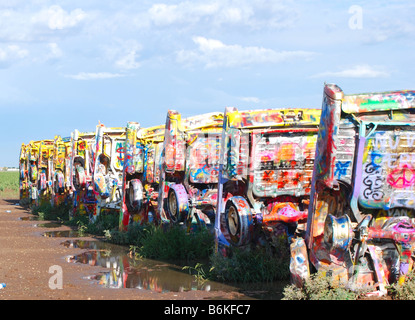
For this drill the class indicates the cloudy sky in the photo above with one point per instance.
(66, 65)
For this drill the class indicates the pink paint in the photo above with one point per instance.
(402, 177)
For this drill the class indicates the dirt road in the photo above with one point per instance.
(26, 258)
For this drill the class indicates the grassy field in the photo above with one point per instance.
(9, 184)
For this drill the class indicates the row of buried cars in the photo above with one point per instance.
(337, 182)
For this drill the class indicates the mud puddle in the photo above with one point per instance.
(43, 223)
(29, 218)
(62, 234)
(49, 225)
(127, 271)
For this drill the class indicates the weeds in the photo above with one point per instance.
(174, 243)
(165, 243)
(131, 237)
(257, 265)
(46, 212)
(199, 273)
(319, 287)
(406, 291)
(100, 227)
(134, 252)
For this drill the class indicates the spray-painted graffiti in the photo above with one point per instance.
(378, 101)
(191, 148)
(268, 158)
(142, 155)
(138, 158)
(236, 157)
(341, 169)
(283, 164)
(204, 159)
(345, 146)
(388, 171)
(263, 118)
(375, 188)
(326, 146)
(119, 151)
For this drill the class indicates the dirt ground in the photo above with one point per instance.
(26, 256)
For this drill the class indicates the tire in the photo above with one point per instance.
(177, 203)
(135, 195)
(239, 221)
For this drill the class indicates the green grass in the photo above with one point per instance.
(9, 184)
(259, 264)
(169, 243)
(46, 212)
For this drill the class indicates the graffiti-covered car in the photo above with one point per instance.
(60, 170)
(44, 172)
(142, 154)
(266, 165)
(23, 174)
(32, 154)
(360, 227)
(108, 163)
(81, 168)
(189, 171)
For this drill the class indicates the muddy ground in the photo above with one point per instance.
(26, 257)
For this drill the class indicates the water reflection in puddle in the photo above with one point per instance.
(29, 218)
(49, 225)
(61, 234)
(128, 272)
(124, 271)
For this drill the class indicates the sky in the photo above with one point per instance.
(67, 65)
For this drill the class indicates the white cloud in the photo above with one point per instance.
(254, 14)
(11, 54)
(57, 18)
(214, 53)
(358, 71)
(185, 12)
(123, 54)
(128, 61)
(54, 51)
(126, 55)
(28, 23)
(388, 21)
(95, 76)
(162, 14)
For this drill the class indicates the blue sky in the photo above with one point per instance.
(66, 65)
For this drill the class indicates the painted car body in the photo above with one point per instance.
(24, 191)
(81, 168)
(360, 226)
(32, 154)
(189, 171)
(40, 171)
(266, 165)
(108, 163)
(61, 155)
(142, 156)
